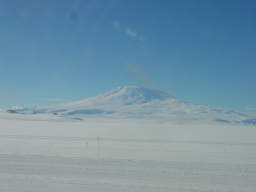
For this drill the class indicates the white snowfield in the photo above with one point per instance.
(39, 153)
(130, 139)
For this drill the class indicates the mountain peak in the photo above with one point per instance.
(135, 94)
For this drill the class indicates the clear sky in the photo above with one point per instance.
(202, 51)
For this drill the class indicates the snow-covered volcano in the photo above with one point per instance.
(114, 101)
(139, 102)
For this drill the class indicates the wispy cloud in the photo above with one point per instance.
(25, 13)
(131, 32)
(136, 71)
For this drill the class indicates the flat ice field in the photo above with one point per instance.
(125, 155)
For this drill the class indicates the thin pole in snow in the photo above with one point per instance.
(98, 147)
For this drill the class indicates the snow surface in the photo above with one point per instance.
(48, 153)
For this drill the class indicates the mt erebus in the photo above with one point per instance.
(139, 102)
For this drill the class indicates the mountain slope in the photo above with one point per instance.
(139, 102)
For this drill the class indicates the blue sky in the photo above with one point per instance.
(202, 51)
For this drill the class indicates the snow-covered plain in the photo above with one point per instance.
(47, 153)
